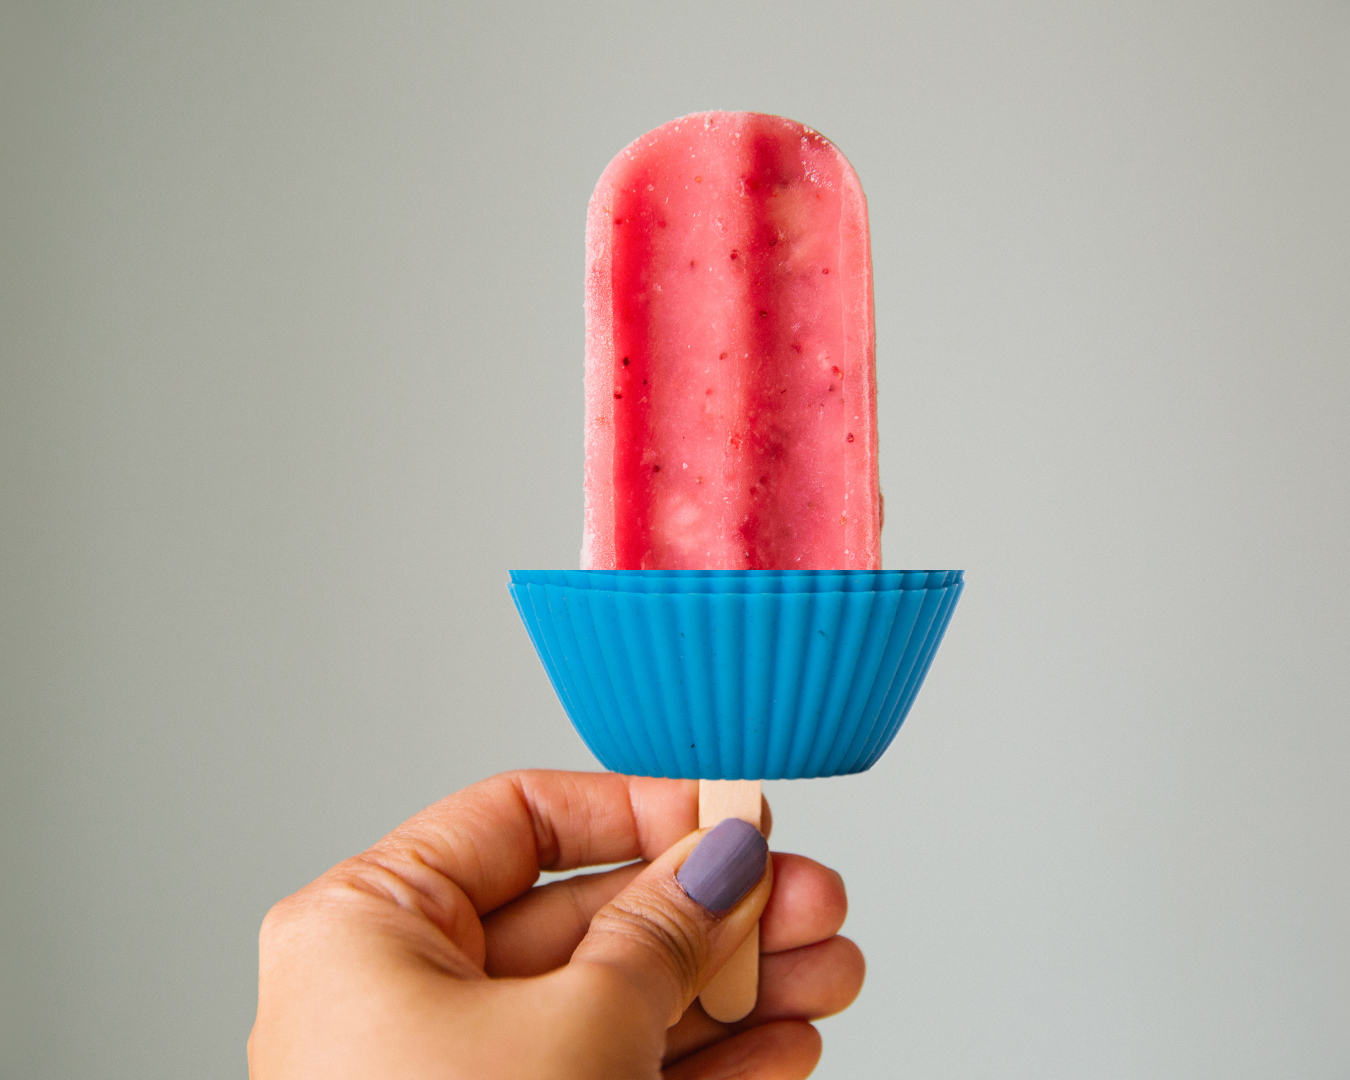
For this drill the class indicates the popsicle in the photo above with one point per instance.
(730, 375)
(731, 621)
(730, 368)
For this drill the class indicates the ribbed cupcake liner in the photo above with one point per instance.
(748, 683)
(665, 581)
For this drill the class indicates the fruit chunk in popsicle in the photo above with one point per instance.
(730, 359)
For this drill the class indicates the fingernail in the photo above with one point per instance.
(725, 866)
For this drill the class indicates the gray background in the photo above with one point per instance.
(291, 375)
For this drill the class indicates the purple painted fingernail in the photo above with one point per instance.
(725, 865)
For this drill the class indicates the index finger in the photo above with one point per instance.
(492, 839)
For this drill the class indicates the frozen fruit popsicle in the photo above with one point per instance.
(730, 376)
(730, 369)
(731, 621)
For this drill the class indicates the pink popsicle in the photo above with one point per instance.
(730, 357)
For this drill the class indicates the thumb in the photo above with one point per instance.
(656, 945)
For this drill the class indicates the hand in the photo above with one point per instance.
(430, 955)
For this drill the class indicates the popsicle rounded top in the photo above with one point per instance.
(730, 354)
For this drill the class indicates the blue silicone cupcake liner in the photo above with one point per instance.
(665, 581)
(744, 684)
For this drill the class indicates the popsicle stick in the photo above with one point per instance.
(732, 992)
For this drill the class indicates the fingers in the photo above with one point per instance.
(808, 904)
(492, 839)
(801, 984)
(655, 945)
(810, 983)
(539, 931)
(787, 1050)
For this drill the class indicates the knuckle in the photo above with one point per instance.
(276, 922)
(293, 919)
(277, 935)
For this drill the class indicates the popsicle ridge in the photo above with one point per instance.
(730, 356)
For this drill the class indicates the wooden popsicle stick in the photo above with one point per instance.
(732, 992)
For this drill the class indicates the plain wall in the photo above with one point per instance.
(290, 375)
